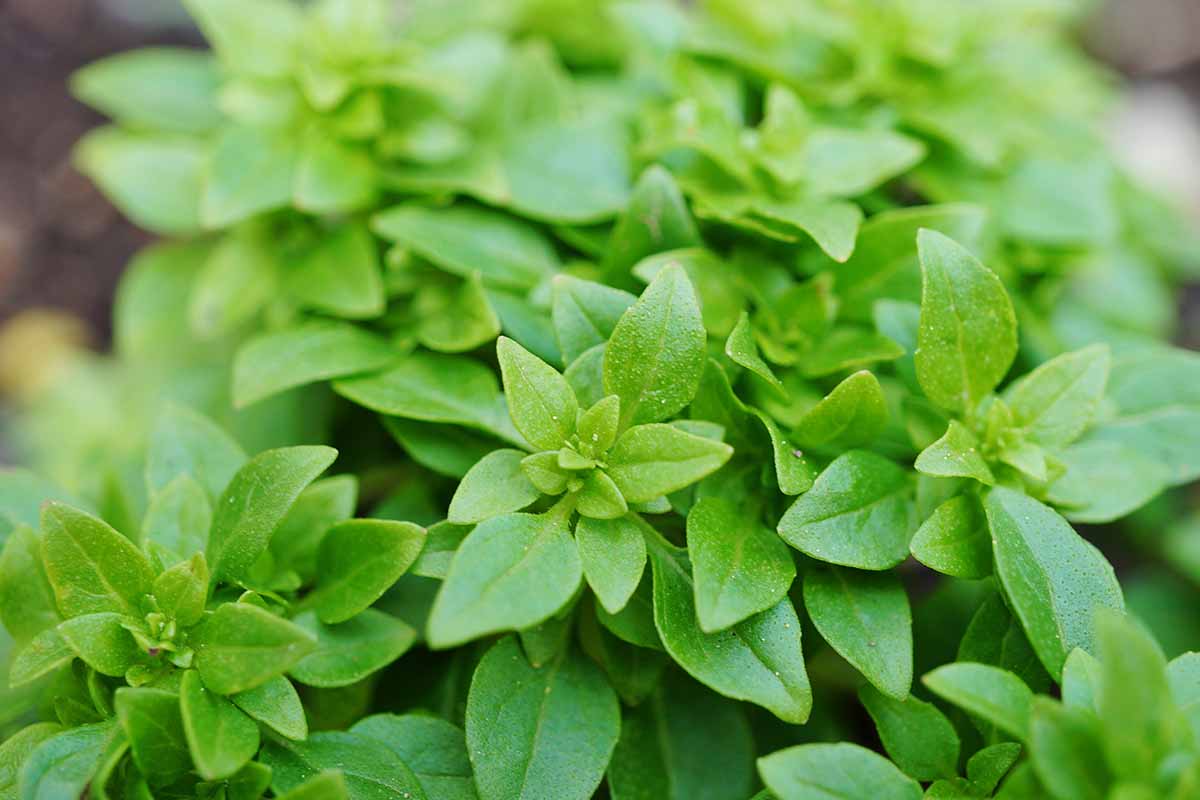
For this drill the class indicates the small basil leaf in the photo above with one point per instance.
(834, 770)
(994, 694)
(649, 461)
(359, 560)
(153, 724)
(496, 485)
(91, 567)
(350, 651)
(221, 738)
(241, 646)
(542, 404)
(613, 555)
(275, 704)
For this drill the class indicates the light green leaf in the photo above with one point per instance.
(359, 560)
(185, 442)
(511, 572)
(544, 732)
(255, 41)
(1065, 749)
(852, 415)
(90, 566)
(1106, 479)
(446, 449)
(866, 618)
(369, 769)
(15, 751)
(758, 660)
(649, 461)
(329, 784)
(313, 351)
(241, 646)
(955, 540)
(64, 764)
(333, 176)
(743, 351)
(181, 591)
(236, 283)
(599, 497)
(832, 224)
(857, 514)
(153, 724)
(44, 653)
(101, 642)
(655, 220)
(158, 88)
(251, 171)
(351, 650)
(221, 738)
(276, 705)
(435, 750)
(613, 556)
(339, 273)
(464, 240)
(541, 402)
(968, 334)
(1056, 402)
(27, 604)
(955, 455)
(994, 694)
(656, 355)
(297, 539)
(1053, 579)
(495, 485)
(845, 162)
(739, 566)
(585, 314)
(115, 159)
(458, 319)
(847, 348)
(917, 736)
(256, 501)
(834, 771)
(178, 519)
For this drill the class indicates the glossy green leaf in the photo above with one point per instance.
(458, 319)
(852, 415)
(178, 520)
(349, 651)
(64, 764)
(256, 501)
(369, 769)
(955, 455)
(242, 646)
(740, 567)
(539, 732)
(91, 567)
(743, 351)
(153, 724)
(435, 750)
(656, 355)
(220, 737)
(329, 784)
(101, 641)
(340, 274)
(511, 572)
(1066, 753)
(649, 461)
(274, 362)
(542, 404)
(184, 442)
(834, 770)
(612, 553)
(955, 540)
(16, 749)
(917, 736)
(45, 652)
(991, 693)
(968, 334)
(182, 590)
(655, 220)
(1054, 579)
(1056, 402)
(585, 314)
(359, 560)
(275, 704)
(866, 618)
(27, 603)
(857, 514)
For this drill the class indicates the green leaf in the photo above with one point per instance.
(1056, 402)
(544, 732)
(359, 560)
(351, 650)
(458, 319)
(184, 442)
(866, 618)
(511, 572)
(845, 162)
(44, 653)
(446, 449)
(656, 355)
(153, 724)
(649, 461)
(1053, 579)
(833, 225)
(116, 159)
(339, 273)
(612, 553)
(91, 567)
(655, 220)
(178, 520)
(435, 750)
(1106, 480)
(683, 743)
(955, 540)
(369, 769)
(857, 514)
(955, 455)
(834, 770)
(64, 764)
(297, 539)
(275, 704)
(1140, 722)
(599, 497)
(758, 660)
(436, 388)
(221, 738)
(743, 351)
(256, 501)
(740, 566)
(251, 171)
(329, 784)
(722, 295)
(994, 636)
(182, 590)
(917, 736)
(793, 472)
(847, 348)
(1066, 752)
(465, 240)
(16, 749)
(27, 604)
(598, 426)
(158, 88)
(101, 641)
(988, 766)
(257, 42)
(237, 281)
(332, 176)
(541, 402)
(1081, 680)
(585, 314)
(241, 646)
(852, 415)
(968, 334)
(994, 694)
(313, 351)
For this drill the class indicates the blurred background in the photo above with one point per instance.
(62, 246)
